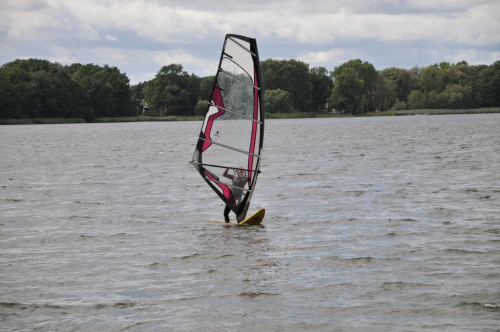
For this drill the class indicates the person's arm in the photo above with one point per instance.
(227, 175)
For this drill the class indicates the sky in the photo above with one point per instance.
(141, 36)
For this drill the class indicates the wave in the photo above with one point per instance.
(196, 255)
(86, 202)
(25, 306)
(35, 306)
(253, 295)
(403, 220)
(78, 217)
(13, 200)
(364, 259)
(463, 251)
(400, 285)
(489, 306)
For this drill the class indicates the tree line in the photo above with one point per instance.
(35, 88)
(359, 88)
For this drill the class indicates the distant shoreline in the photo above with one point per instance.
(448, 111)
(296, 115)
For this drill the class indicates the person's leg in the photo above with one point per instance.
(227, 209)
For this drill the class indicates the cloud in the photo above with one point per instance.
(311, 22)
(335, 56)
(62, 55)
(110, 38)
(173, 56)
(139, 64)
(475, 27)
(315, 22)
(145, 19)
(473, 56)
(143, 35)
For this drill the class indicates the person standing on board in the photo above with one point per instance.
(240, 180)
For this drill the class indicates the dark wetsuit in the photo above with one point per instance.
(238, 184)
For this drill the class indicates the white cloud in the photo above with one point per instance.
(137, 77)
(334, 56)
(140, 34)
(146, 63)
(446, 5)
(146, 19)
(173, 56)
(62, 55)
(110, 38)
(473, 22)
(473, 56)
(116, 55)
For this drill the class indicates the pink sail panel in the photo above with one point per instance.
(217, 100)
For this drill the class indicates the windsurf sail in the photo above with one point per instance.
(228, 152)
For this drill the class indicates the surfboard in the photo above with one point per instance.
(254, 219)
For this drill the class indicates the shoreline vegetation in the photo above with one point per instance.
(296, 115)
(35, 91)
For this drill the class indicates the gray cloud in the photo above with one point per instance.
(140, 36)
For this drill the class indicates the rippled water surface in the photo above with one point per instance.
(371, 224)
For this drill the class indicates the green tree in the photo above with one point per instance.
(456, 96)
(106, 90)
(487, 85)
(9, 99)
(292, 76)
(201, 107)
(37, 88)
(137, 95)
(416, 100)
(393, 84)
(494, 89)
(402, 80)
(321, 87)
(385, 96)
(173, 91)
(399, 105)
(355, 71)
(278, 101)
(433, 78)
(206, 85)
(347, 94)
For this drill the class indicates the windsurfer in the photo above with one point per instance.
(240, 180)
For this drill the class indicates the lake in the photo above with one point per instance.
(380, 224)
